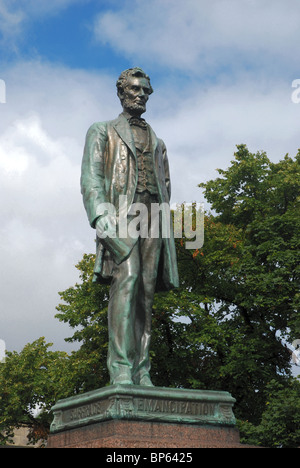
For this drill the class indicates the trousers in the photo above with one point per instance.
(130, 307)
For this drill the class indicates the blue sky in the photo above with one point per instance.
(72, 43)
(222, 73)
(63, 36)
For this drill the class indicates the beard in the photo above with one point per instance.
(134, 107)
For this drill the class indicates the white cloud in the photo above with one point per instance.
(41, 201)
(203, 36)
(16, 14)
(44, 229)
(202, 130)
(9, 18)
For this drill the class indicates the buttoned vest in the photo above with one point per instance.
(146, 178)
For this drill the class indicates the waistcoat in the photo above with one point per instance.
(146, 178)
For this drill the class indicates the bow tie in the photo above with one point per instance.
(138, 122)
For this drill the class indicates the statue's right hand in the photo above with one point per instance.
(106, 226)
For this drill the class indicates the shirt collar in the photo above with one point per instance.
(131, 117)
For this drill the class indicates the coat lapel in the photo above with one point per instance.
(122, 127)
(154, 141)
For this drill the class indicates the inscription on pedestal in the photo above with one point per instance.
(175, 407)
(144, 404)
(86, 411)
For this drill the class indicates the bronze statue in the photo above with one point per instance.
(123, 159)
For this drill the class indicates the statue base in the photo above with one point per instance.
(129, 416)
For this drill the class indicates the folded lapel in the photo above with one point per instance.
(154, 140)
(122, 127)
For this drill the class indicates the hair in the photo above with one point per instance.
(123, 79)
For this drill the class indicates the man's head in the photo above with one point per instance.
(134, 89)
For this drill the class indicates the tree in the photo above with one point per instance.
(84, 308)
(280, 422)
(224, 328)
(238, 296)
(29, 381)
(258, 288)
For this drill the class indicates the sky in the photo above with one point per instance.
(222, 73)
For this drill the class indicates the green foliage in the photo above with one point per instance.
(222, 329)
(280, 422)
(253, 272)
(263, 200)
(85, 310)
(34, 378)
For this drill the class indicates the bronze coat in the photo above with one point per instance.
(109, 169)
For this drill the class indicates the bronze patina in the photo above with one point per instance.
(124, 160)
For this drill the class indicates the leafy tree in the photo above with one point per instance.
(258, 288)
(280, 422)
(263, 199)
(238, 297)
(29, 381)
(84, 308)
(222, 329)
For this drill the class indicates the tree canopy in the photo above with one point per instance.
(224, 328)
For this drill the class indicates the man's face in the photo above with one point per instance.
(136, 95)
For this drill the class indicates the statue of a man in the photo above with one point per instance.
(123, 157)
